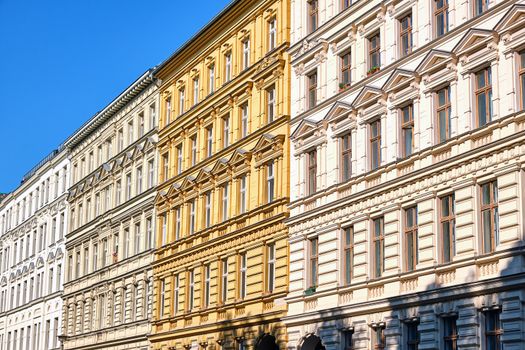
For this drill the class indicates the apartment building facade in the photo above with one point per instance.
(107, 290)
(33, 222)
(221, 263)
(407, 145)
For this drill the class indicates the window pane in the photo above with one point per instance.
(487, 244)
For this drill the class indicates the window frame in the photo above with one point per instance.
(348, 254)
(311, 171)
(407, 126)
(313, 261)
(346, 156)
(410, 234)
(438, 11)
(312, 81)
(375, 140)
(485, 91)
(374, 51)
(345, 69)
(495, 333)
(405, 32)
(378, 246)
(447, 109)
(493, 208)
(449, 220)
(313, 15)
(450, 336)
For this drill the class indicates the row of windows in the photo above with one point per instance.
(134, 239)
(134, 129)
(200, 280)
(188, 153)
(33, 242)
(488, 225)
(185, 218)
(48, 190)
(228, 64)
(29, 338)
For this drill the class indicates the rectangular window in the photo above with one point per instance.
(128, 186)
(149, 233)
(151, 174)
(226, 131)
(193, 150)
(177, 223)
(440, 17)
(374, 53)
(521, 72)
(209, 141)
(227, 67)
(192, 217)
(346, 157)
(182, 99)
(179, 159)
(348, 255)
(411, 238)
(127, 243)
(120, 145)
(272, 34)
(443, 108)
(405, 34)
(242, 195)
(165, 166)
(161, 296)
(312, 172)
(77, 265)
(270, 182)
(225, 194)
(246, 53)
(130, 140)
(242, 275)
(378, 337)
(270, 104)
(115, 247)
(141, 124)
(347, 339)
(346, 70)
(312, 89)
(489, 216)
(207, 285)
(139, 181)
(138, 238)
(346, 4)
(86, 260)
(191, 290)
(375, 144)
(211, 78)
(493, 330)
(105, 249)
(195, 91)
(207, 209)
(95, 257)
(447, 222)
(483, 97)
(407, 129)
(244, 120)
(224, 280)
(314, 261)
(152, 116)
(412, 335)
(450, 333)
(176, 294)
(378, 246)
(313, 15)
(167, 117)
(480, 6)
(270, 269)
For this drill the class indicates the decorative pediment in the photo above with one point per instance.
(512, 20)
(188, 183)
(160, 197)
(474, 40)
(40, 262)
(220, 167)
(368, 95)
(31, 266)
(434, 60)
(338, 110)
(106, 168)
(59, 253)
(173, 190)
(25, 270)
(304, 129)
(18, 273)
(3, 281)
(203, 176)
(12, 277)
(240, 156)
(50, 257)
(399, 79)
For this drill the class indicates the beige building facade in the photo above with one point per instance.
(107, 293)
(406, 225)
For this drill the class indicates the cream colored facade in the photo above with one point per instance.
(107, 293)
(406, 224)
(221, 264)
(33, 222)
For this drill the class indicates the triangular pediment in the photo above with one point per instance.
(513, 18)
(239, 156)
(473, 39)
(50, 257)
(433, 61)
(12, 277)
(338, 109)
(367, 95)
(3, 281)
(399, 79)
(305, 128)
(173, 190)
(59, 253)
(25, 270)
(188, 183)
(161, 196)
(40, 262)
(220, 167)
(31, 266)
(265, 141)
(203, 176)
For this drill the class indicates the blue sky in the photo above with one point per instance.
(61, 61)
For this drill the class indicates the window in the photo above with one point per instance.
(177, 223)
(242, 195)
(211, 77)
(151, 174)
(521, 72)
(411, 238)
(489, 216)
(347, 338)
(312, 89)
(127, 243)
(162, 296)
(440, 17)
(270, 269)
(375, 144)
(226, 131)
(224, 280)
(227, 67)
(313, 15)
(270, 182)
(207, 285)
(130, 139)
(272, 34)
(225, 190)
(346, 4)
(179, 159)
(164, 235)
(378, 337)
(405, 34)
(447, 222)
(128, 187)
(374, 53)
(115, 247)
(95, 257)
(118, 188)
(139, 181)
(348, 255)
(153, 116)
(246, 53)
(242, 276)
(181, 100)
(270, 104)
(346, 70)
(86, 260)
(141, 124)
(412, 335)
(138, 238)
(313, 256)
(450, 333)
(244, 120)
(483, 97)
(104, 252)
(209, 141)
(442, 98)
(77, 264)
(120, 145)
(176, 294)
(191, 289)
(165, 166)
(312, 172)
(149, 232)
(480, 6)
(493, 330)
(195, 91)
(407, 129)
(346, 157)
(192, 216)
(378, 247)
(193, 150)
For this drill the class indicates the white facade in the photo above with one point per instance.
(108, 289)
(387, 162)
(33, 223)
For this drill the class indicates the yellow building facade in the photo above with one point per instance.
(221, 264)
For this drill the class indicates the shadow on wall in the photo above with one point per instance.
(483, 310)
